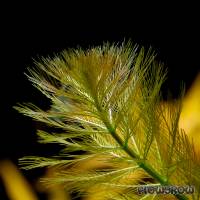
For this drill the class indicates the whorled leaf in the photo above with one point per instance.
(106, 103)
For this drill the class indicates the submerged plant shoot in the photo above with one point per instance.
(106, 108)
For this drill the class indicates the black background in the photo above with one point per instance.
(31, 31)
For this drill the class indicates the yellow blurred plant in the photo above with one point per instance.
(106, 107)
(190, 115)
(17, 187)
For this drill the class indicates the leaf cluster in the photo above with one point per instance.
(106, 103)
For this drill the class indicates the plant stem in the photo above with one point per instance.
(145, 166)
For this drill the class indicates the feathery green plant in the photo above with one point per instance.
(106, 105)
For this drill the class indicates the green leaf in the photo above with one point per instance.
(106, 101)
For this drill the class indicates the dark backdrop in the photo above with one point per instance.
(33, 31)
